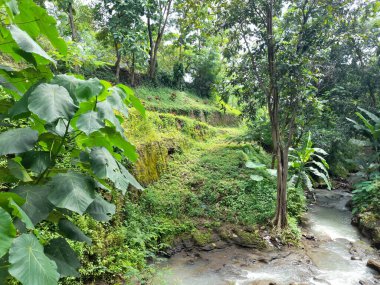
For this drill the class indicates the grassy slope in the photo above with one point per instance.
(205, 185)
(167, 100)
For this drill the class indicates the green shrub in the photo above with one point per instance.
(366, 196)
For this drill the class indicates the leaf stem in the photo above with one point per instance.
(54, 157)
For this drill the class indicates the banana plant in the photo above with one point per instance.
(308, 164)
(369, 127)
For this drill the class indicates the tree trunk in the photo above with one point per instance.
(133, 70)
(153, 51)
(71, 21)
(280, 219)
(117, 63)
(280, 149)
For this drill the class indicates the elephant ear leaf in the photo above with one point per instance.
(26, 43)
(36, 206)
(89, 122)
(63, 255)
(19, 213)
(29, 264)
(71, 231)
(72, 191)
(101, 210)
(7, 232)
(17, 141)
(51, 102)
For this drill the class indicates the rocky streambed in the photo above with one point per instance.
(332, 252)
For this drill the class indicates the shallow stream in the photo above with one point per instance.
(333, 253)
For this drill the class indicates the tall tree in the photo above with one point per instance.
(157, 13)
(283, 43)
(121, 25)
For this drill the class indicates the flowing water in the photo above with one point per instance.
(334, 253)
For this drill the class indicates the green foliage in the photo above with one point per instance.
(296, 202)
(58, 108)
(214, 184)
(29, 264)
(19, 42)
(260, 129)
(178, 74)
(369, 127)
(308, 164)
(205, 72)
(366, 196)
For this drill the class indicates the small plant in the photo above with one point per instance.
(173, 96)
(307, 164)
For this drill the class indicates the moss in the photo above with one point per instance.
(202, 237)
(152, 161)
(250, 238)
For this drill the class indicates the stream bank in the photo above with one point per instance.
(332, 252)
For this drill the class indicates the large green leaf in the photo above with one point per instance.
(71, 231)
(105, 166)
(19, 213)
(20, 107)
(117, 102)
(63, 255)
(36, 161)
(36, 206)
(256, 177)
(101, 210)
(4, 265)
(254, 165)
(29, 264)
(133, 99)
(88, 89)
(89, 122)
(6, 196)
(51, 102)
(38, 23)
(372, 116)
(26, 43)
(106, 112)
(59, 127)
(321, 175)
(72, 191)
(17, 140)
(118, 140)
(69, 82)
(7, 232)
(18, 171)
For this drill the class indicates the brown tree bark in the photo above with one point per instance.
(70, 13)
(280, 148)
(154, 45)
(133, 70)
(117, 63)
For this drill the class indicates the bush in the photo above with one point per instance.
(296, 202)
(205, 72)
(260, 129)
(366, 196)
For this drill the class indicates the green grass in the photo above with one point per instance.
(168, 100)
(211, 182)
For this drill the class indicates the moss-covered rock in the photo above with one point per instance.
(202, 237)
(369, 225)
(243, 236)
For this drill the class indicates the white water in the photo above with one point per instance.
(327, 261)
